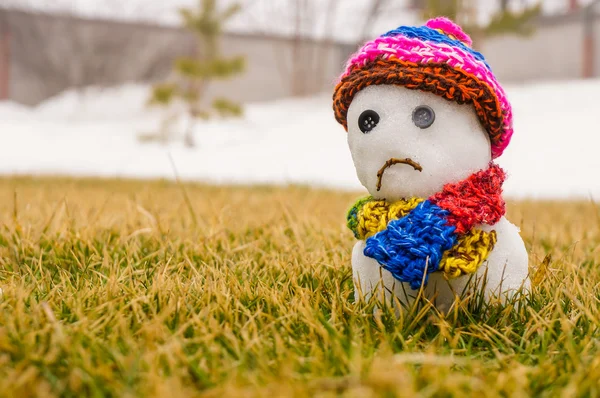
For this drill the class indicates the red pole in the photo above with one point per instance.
(588, 43)
(588, 56)
(4, 64)
(573, 5)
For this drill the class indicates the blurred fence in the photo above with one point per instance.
(562, 47)
(41, 55)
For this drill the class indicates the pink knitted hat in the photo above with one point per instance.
(436, 58)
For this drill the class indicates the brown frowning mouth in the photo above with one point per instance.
(392, 162)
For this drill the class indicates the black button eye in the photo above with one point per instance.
(423, 116)
(368, 120)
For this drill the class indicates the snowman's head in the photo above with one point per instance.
(408, 143)
(422, 109)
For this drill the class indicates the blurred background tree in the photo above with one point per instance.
(193, 74)
(506, 20)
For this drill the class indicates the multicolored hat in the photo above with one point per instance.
(436, 58)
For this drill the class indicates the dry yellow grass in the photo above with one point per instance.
(122, 288)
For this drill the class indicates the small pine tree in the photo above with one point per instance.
(193, 74)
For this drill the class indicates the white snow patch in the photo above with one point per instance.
(294, 141)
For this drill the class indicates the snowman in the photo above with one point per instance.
(426, 118)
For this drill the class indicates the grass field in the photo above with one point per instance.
(120, 288)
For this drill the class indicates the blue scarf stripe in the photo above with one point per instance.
(432, 35)
(411, 243)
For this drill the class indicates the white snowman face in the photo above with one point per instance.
(416, 141)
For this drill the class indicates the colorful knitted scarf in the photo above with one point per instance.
(412, 238)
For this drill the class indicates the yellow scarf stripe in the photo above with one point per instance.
(375, 215)
(470, 252)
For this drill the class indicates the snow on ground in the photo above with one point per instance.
(554, 153)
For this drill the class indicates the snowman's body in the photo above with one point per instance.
(449, 150)
(504, 271)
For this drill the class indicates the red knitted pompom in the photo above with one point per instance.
(450, 29)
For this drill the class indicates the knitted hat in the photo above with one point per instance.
(436, 58)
